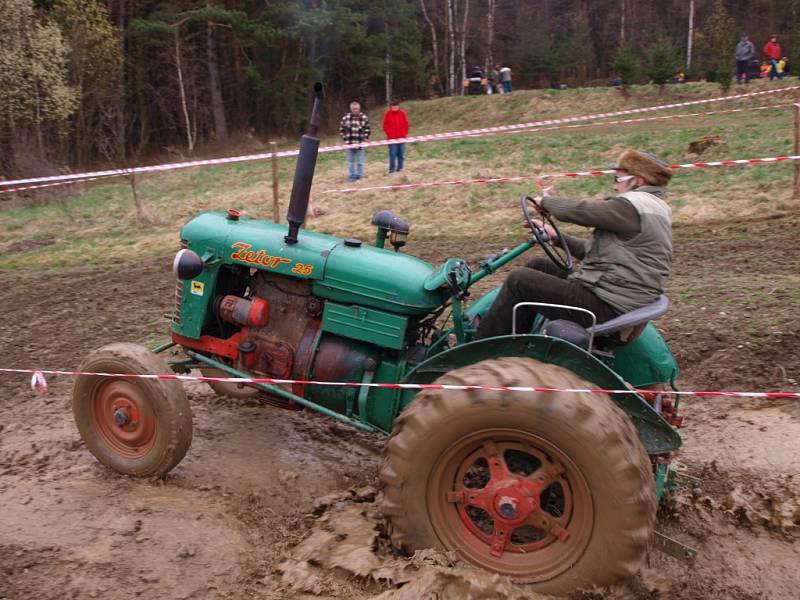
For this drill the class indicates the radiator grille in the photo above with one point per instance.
(176, 315)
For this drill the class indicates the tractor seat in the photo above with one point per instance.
(629, 325)
(619, 331)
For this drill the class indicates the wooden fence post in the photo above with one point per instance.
(273, 148)
(796, 194)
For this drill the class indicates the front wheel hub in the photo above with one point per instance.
(507, 507)
(121, 417)
(124, 417)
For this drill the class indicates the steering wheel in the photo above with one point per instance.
(556, 250)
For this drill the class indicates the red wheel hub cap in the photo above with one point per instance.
(124, 418)
(509, 503)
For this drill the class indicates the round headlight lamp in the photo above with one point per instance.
(187, 264)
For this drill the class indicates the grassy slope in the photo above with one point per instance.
(99, 224)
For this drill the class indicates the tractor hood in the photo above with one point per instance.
(348, 272)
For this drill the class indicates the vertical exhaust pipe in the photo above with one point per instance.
(304, 171)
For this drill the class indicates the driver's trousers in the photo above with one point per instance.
(541, 281)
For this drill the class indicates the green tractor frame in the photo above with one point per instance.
(556, 489)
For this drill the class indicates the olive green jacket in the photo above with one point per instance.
(627, 259)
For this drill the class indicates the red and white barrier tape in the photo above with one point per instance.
(413, 139)
(38, 376)
(641, 120)
(531, 130)
(406, 186)
(54, 184)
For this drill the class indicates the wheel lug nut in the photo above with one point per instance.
(121, 417)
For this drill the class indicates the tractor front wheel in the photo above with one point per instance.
(552, 489)
(136, 426)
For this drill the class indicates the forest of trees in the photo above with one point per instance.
(88, 82)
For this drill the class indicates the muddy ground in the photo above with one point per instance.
(241, 516)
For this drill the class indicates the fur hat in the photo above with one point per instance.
(647, 166)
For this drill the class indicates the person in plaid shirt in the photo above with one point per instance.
(355, 130)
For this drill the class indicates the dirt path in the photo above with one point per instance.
(230, 519)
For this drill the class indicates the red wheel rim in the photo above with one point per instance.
(124, 418)
(511, 502)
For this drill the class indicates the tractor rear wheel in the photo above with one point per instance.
(139, 427)
(553, 489)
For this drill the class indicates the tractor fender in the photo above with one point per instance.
(655, 433)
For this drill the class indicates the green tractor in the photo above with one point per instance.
(556, 489)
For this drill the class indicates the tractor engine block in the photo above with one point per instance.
(277, 329)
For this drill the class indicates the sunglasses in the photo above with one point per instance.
(623, 178)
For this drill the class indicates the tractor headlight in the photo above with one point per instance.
(187, 264)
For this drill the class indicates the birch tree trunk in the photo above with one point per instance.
(434, 42)
(179, 67)
(690, 37)
(464, 44)
(490, 36)
(119, 117)
(388, 77)
(217, 105)
(451, 67)
(621, 21)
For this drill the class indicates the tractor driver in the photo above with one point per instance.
(625, 261)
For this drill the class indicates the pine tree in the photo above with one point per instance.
(661, 61)
(718, 41)
(626, 66)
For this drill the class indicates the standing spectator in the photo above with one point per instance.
(505, 78)
(787, 70)
(498, 85)
(493, 80)
(395, 126)
(355, 130)
(782, 67)
(745, 51)
(765, 69)
(773, 53)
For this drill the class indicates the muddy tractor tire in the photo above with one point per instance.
(238, 391)
(140, 427)
(552, 489)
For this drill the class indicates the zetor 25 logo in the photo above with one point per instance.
(262, 259)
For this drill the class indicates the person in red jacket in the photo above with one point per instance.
(773, 53)
(395, 126)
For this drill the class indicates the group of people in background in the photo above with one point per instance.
(498, 81)
(774, 65)
(355, 130)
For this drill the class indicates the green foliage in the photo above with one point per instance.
(539, 57)
(250, 65)
(580, 49)
(96, 54)
(408, 63)
(95, 68)
(661, 60)
(33, 69)
(626, 64)
(716, 44)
